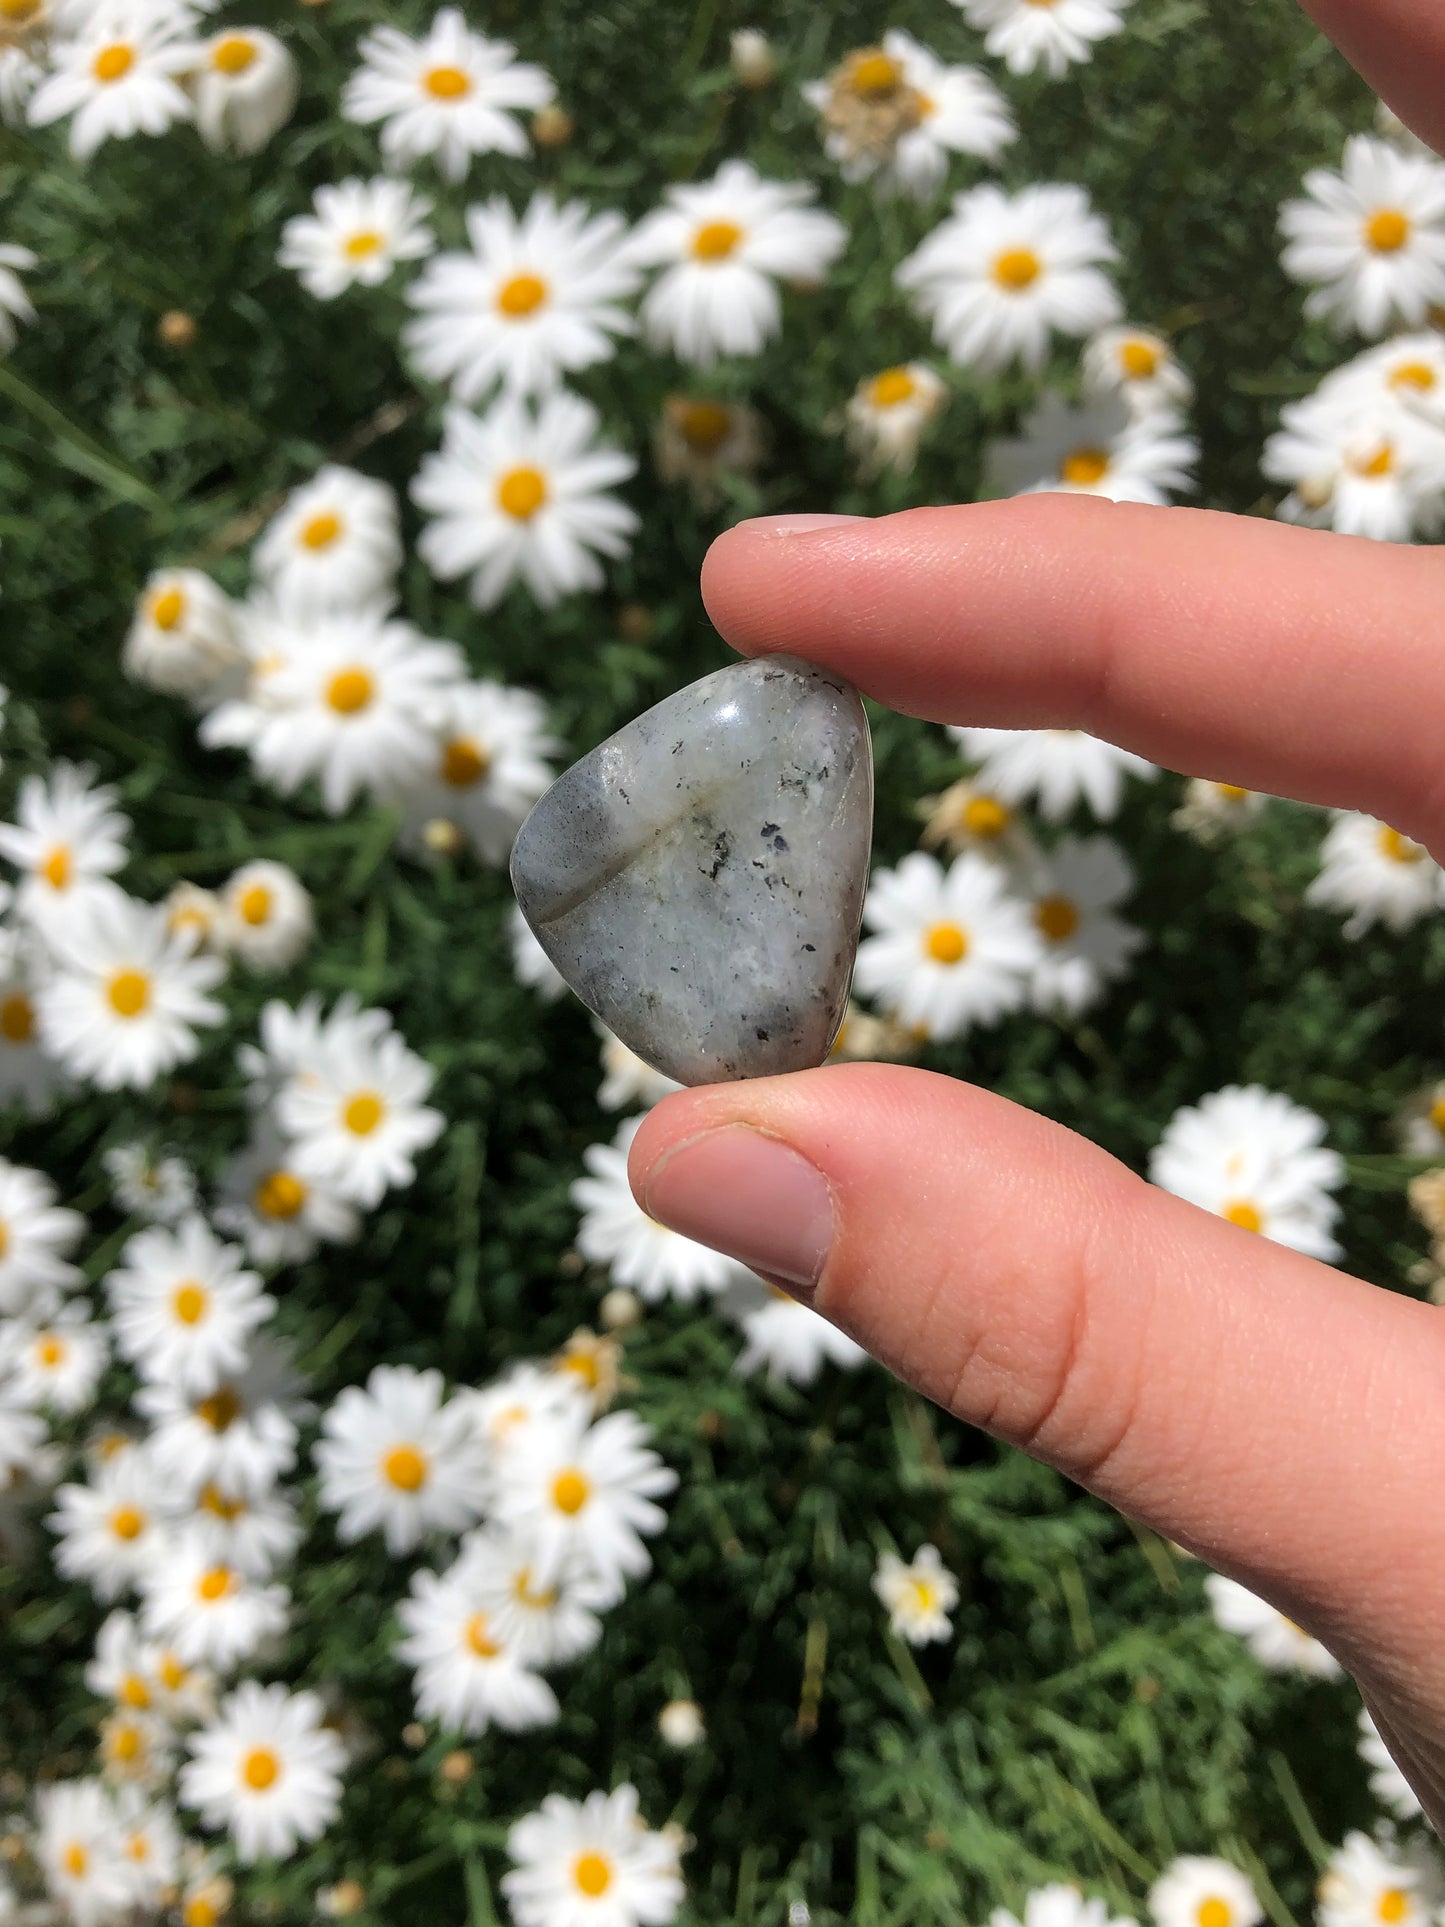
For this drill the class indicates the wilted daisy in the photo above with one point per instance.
(267, 1769)
(1387, 1782)
(1058, 1906)
(241, 1437)
(638, 1251)
(355, 235)
(785, 1339)
(452, 94)
(209, 1611)
(55, 1362)
(542, 1625)
(1096, 450)
(182, 637)
(135, 1749)
(29, 1077)
(1055, 769)
(119, 76)
(1075, 891)
(468, 1675)
(36, 1239)
(919, 1594)
(888, 412)
(1375, 875)
(968, 816)
(266, 915)
(279, 1216)
(1052, 34)
(110, 1530)
(627, 1078)
(1367, 1885)
(523, 493)
(950, 948)
(15, 304)
(538, 298)
(359, 1119)
(1196, 1891)
(66, 836)
(1254, 1157)
(245, 85)
(1211, 810)
(1275, 1641)
(127, 997)
(1358, 463)
(394, 1458)
(78, 1849)
(335, 544)
(489, 765)
(591, 1863)
(701, 442)
(159, 1189)
(722, 246)
(586, 1494)
(1005, 272)
(1138, 366)
(182, 1308)
(1369, 240)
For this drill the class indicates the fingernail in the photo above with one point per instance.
(749, 1196)
(794, 524)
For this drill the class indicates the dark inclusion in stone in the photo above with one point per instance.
(698, 878)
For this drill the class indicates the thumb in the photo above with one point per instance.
(1269, 1412)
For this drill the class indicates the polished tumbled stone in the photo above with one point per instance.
(698, 878)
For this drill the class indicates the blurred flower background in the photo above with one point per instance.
(397, 1524)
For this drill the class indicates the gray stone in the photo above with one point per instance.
(698, 878)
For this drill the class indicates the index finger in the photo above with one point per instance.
(1279, 658)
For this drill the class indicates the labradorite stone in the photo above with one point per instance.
(698, 878)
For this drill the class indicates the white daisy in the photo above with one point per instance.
(360, 1117)
(182, 638)
(1056, 769)
(1375, 875)
(919, 1595)
(258, 1535)
(119, 76)
(538, 298)
(294, 1041)
(1360, 463)
(951, 948)
(468, 1674)
(280, 1217)
(722, 247)
(452, 94)
(55, 1362)
(1052, 34)
(586, 1495)
(1276, 1642)
(1058, 1906)
(26, 1456)
(355, 235)
(1139, 366)
(1367, 1885)
(77, 1845)
(542, 1626)
(135, 1749)
(150, 1845)
(36, 1238)
(394, 1458)
(209, 1611)
(245, 85)
(335, 544)
(1097, 450)
(161, 1190)
(1369, 240)
(1004, 273)
(530, 962)
(489, 765)
(787, 1340)
(591, 1863)
(518, 492)
(1387, 1782)
(1195, 1891)
(267, 1769)
(123, 1666)
(15, 304)
(182, 1308)
(193, 913)
(66, 837)
(505, 1413)
(240, 1437)
(21, 70)
(888, 412)
(127, 997)
(1075, 891)
(29, 1077)
(1255, 1158)
(266, 916)
(111, 1530)
(1408, 370)
(627, 1078)
(638, 1251)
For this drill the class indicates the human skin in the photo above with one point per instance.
(1279, 1418)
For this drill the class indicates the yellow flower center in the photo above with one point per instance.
(1213, 1913)
(874, 73)
(168, 608)
(524, 1595)
(350, 691)
(479, 1640)
(112, 62)
(221, 1410)
(214, 1501)
(215, 1584)
(925, 1595)
(464, 763)
(134, 1692)
(446, 83)
(321, 531)
(234, 54)
(128, 1522)
(1057, 917)
(366, 241)
(191, 1303)
(716, 240)
(586, 1366)
(1418, 375)
(570, 1491)
(1393, 1905)
(261, 1768)
(17, 1018)
(279, 1195)
(1387, 230)
(1016, 269)
(593, 1874)
(986, 818)
(56, 868)
(125, 1743)
(129, 992)
(1246, 1215)
(173, 1674)
(51, 1351)
(893, 386)
(1398, 848)
(76, 1860)
(704, 425)
(1437, 1114)
(199, 1912)
(1231, 792)
(1380, 463)
(522, 295)
(363, 1113)
(138, 1847)
(946, 943)
(19, 9)
(521, 492)
(405, 1468)
(255, 904)
(1084, 466)
(1138, 359)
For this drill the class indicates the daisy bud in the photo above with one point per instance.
(681, 1723)
(340, 1902)
(413, 1734)
(552, 126)
(620, 1309)
(570, 1264)
(457, 1768)
(177, 329)
(635, 622)
(751, 58)
(441, 836)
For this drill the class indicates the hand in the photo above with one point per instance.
(1282, 1420)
